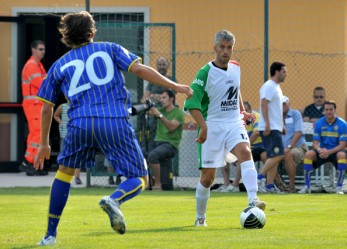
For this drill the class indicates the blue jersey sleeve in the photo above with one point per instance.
(50, 87)
(317, 130)
(123, 58)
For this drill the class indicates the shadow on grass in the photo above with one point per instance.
(25, 247)
(163, 230)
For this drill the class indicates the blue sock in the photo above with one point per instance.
(59, 194)
(260, 176)
(128, 189)
(341, 168)
(270, 186)
(308, 168)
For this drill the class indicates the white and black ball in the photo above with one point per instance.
(252, 217)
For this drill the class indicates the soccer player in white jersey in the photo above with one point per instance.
(90, 76)
(218, 109)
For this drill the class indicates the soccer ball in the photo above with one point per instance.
(252, 217)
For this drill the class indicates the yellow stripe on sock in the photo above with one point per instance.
(342, 161)
(143, 183)
(307, 161)
(142, 186)
(63, 177)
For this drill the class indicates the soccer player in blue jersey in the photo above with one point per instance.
(89, 75)
(329, 143)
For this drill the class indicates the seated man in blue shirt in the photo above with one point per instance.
(329, 142)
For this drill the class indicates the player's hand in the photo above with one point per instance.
(184, 89)
(202, 135)
(323, 153)
(44, 152)
(248, 117)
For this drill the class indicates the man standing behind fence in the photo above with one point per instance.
(90, 76)
(32, 76)
(271, 125)
(217, 106)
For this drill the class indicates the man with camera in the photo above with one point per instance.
(151, 95)
(168, 135)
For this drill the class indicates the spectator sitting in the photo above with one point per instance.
(314, 111)
(294, 142)
(329, 143)
(168, 136)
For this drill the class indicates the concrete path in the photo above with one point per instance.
(8, 180)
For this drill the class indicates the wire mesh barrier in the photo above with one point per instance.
(153, 40)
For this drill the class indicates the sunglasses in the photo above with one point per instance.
(319, 97)
(41, 49)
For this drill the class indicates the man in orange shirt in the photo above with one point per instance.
(32, 76)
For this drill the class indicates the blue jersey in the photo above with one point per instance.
(329, 136)
(90, 77)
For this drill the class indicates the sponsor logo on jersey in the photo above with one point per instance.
(231, 102)
(199, 82)
(229, 82)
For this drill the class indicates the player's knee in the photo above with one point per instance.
(67, 170)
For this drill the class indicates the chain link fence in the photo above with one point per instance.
(151, 41)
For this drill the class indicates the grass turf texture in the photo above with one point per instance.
(165, 220)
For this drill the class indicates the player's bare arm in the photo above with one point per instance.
(340, 147)
(265, 111)
(170, 124)
(196, 114)
(44, 151)
(153, 76)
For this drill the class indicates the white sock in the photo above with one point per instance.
(249, 178)
(202, 195)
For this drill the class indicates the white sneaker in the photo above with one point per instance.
(274, 190)
(339, 191)
(47, 241)
(200, 222)
(261, 184)
(304, 190)
(115, 214)
(257, 203)
(219, 189)
(231, 188)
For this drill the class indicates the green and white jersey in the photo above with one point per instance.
(216, 93)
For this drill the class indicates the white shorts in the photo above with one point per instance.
(221, 139)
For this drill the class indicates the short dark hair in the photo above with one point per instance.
(77, 28)
(171, 93)
(276, 66)
(330, 102)
(35, 43)
(318, 88)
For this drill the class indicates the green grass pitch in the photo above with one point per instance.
(165, 220)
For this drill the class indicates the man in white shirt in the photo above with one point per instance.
(271, 125)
